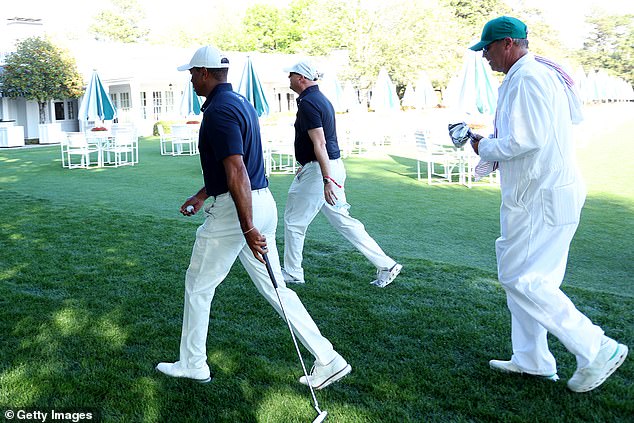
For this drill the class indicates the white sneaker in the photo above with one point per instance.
(201, 375)
(610, 357)
(510, 367)
(323, 375)
(386, 276)
(288, 278)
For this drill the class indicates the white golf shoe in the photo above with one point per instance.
(610, 357)
(385, 277)
(510, 367)
(323, 375)
(201, 375)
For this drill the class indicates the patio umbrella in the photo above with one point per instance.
(581, 82)
(409, 98)
(331, 88)
(251, 88)
(350, 98)
(384, 97)
(96, 104)
(425, 94)
(592, 91)
(474, 90)
(190, 101)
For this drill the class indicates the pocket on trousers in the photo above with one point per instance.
(561, 205)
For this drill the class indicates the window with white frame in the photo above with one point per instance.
(144, 104)
(70, 110)
(169, 102)
(124, 98)
(157, 104)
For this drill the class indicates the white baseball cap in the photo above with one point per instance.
(207, 57)
(304, 68)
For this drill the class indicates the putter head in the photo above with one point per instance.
(321, 417)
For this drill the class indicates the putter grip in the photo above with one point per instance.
(268, 269)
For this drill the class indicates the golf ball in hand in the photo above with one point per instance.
(190, 209)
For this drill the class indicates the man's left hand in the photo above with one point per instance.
(475, 143)
(329, 194)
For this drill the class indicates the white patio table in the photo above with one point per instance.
(101, 139)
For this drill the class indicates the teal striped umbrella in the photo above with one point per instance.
(474, 90)
(251, 88)
(96, 104)
(190, 101)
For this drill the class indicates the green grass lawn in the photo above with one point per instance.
(92, 268)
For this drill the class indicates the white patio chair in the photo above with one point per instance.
(469, 161)
(128, 128)
(122, 149)
(76, 145)
(279, 149)
(434, 155)
(184, 141)
(167, 147)
(63, 145)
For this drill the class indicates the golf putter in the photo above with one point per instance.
(321, 415)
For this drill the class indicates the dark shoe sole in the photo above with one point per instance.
(335, 377)
(184, 377)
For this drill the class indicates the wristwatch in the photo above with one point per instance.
(326, 181)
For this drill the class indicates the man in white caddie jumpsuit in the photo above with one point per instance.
(319, 184)
(240, 222)
(542, 196)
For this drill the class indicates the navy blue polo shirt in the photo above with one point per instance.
(314, 110)
(230, 126)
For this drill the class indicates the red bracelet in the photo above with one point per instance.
(333, 181)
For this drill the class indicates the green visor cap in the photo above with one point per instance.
(500, 28)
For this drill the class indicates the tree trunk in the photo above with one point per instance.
(42, 105)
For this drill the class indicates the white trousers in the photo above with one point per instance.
(305, 200)
(219, 241)
(532, 254)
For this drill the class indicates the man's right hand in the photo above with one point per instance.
(193, 201)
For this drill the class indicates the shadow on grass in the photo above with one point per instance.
(91, 300)
(91, 285)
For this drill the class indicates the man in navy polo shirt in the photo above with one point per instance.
(238, 224)
(319, 183)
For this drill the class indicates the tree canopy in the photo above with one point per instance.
(38, 70)
(404, 36)
(120, 23)
(610, 45)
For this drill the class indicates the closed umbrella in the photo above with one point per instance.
(593, 90)
(96, 104)
(190, 101)
(474, 90)
(251, 88)
(425, 94)
(331, 88)
(350, 98)
(384, 97)
(409, 98)
(581, 82)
